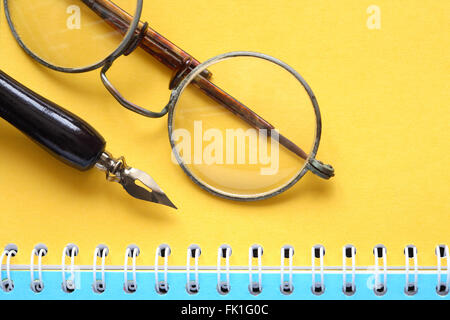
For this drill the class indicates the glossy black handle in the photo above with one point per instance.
(59, 131)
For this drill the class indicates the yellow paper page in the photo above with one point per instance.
(380, 71)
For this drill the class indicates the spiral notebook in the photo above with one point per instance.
(379, 70)
(222, 282)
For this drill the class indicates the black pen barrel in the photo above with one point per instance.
(63, 134)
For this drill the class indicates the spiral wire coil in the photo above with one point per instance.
(40, 250)
(255, 252)
(348, 252)
(318, 252)
(10, 251)
(130, 286)
(442, 288)
(162, 287)
(287, 286)
(255, 287)
(224, 252)
(71, 251)
(192, 286)
(99, 285)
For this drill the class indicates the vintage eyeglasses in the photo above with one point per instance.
(225, 146)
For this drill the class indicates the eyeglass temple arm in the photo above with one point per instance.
(322, 170)
(244, 113)
(156, 45)
(182, 63)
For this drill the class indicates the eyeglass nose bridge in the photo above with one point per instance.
(132, 45)
(123, 101)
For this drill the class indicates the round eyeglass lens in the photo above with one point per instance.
(69, 34)
(250, 135)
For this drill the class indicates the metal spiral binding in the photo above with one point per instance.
(132, 251)
(411, 288)
(224, 252)
(286, 287)
(163, 251)
(71, 251)
(193, 252)
(40, 250)
(348, 252)
(442, 288)
(255, 252)
(99, 285)
(380, 252)
(223, 287)
(317, 252)
(9, 251)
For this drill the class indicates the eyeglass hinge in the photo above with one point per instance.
(320, 169)
(136, 40)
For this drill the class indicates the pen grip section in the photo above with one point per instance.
(60, 132)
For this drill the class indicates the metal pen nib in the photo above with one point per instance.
(118, 171)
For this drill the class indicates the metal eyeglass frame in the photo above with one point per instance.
(131, 41)
(312, 164)
(127, 46)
